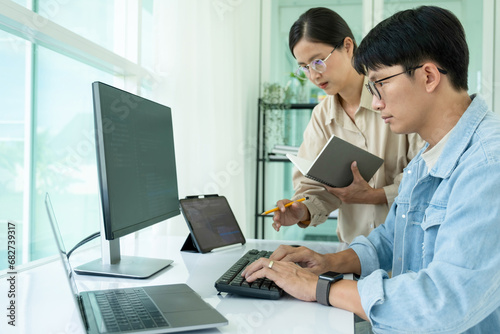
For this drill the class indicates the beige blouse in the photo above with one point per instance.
(370, 133)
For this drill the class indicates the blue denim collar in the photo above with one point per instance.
(460, 137)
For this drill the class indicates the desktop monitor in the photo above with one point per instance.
(137, 176)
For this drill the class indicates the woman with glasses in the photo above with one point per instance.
(323, 45)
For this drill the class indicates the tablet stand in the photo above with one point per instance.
(189, 245)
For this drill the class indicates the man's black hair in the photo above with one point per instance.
(411, 37)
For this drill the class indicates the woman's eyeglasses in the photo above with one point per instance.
(319, 65)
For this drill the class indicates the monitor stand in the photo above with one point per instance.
(114, 265)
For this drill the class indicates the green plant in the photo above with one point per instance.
(301, 76)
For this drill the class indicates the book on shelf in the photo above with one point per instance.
(282, 152)
(277, 157)
(332, 166)
(284, 149)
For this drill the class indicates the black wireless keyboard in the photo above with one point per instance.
(232, 281)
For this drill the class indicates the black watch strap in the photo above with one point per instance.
(323, 288)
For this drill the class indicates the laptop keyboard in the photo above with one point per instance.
(232, 281)
(128, 309)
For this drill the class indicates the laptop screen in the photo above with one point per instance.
(60, 245)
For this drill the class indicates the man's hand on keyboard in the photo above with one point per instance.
(296, 281)
(304, 257)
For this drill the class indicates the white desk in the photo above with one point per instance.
(43, 305)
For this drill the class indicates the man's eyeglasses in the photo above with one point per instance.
(372, 88)
(319, 65)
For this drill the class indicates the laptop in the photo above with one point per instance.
(161, 309)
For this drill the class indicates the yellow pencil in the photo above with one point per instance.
(286, 205)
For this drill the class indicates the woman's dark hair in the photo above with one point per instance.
(412, 37)
(320, 25)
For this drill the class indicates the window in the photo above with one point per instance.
(13, 51)
(48, 63)
(64, 161)
(91, 19)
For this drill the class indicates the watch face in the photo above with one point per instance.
(331, 276)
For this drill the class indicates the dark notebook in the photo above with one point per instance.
(332, 166)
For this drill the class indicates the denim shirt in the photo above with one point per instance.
(441, 239)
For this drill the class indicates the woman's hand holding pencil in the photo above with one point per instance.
(290, 216)
(286, 206)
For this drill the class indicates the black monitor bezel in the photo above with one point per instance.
(99, 127)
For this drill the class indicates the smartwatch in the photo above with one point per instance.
(323, 288)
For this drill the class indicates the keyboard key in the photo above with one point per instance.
(129, 309)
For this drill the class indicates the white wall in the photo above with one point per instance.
(209, 64)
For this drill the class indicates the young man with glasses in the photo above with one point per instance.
(441, 237)
(323, 45)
